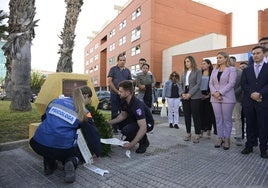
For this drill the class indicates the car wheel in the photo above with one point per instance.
(105, 105)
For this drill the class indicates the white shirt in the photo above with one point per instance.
(187, 77)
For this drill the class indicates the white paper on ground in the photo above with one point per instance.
(96, 169)
(117, 142)
(113, 141)
(128, 153)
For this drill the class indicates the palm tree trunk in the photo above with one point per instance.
(18, 51)
(65, 63)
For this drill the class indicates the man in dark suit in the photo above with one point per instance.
(254, 83)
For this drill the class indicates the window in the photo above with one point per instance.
(136, 14)
(112, 47)
(136, 34)
(134, 68)
(96, 67)
(91, 50)
(91, 60)
(122, 24)
(112, 33)
(96, 45)
(95, 80)
(96, 57)
(111, 60)
(136, 50)
(122, 40)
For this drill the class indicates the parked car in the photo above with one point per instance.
(104, 100)
(3, 95)
(157, 106)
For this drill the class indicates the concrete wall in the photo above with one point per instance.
(205, 43)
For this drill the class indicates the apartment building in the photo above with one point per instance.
(144, 28)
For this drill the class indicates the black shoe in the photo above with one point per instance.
(247, 150)
(141, 149)
(170, 125)
(264, 155)
(143, 145)
(50, 167)
(69, 172)
(176, 126)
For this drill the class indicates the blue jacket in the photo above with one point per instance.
(58, 130)
(167, 89)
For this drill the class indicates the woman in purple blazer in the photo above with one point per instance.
(222, 82)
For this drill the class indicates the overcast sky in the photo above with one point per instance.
(95, 13)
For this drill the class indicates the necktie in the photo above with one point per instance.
(257, 70)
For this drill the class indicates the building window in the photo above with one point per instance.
(134, 68)
(96, 57)
(112, 33)
(91, 60)
(111, 60)
(96, 68)
(122, 40)
(91, 50)
(95, 80)
(136, 14)
(122, 24)
(136, 50)
(112, 47)
(136, 34)
(96, 45)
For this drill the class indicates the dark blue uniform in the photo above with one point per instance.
(136, 110)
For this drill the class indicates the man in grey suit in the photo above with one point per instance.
(238, 106)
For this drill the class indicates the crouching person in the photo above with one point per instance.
(55, 138)
(137, 117)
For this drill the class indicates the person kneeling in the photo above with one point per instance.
(55, 138)
(136, 118)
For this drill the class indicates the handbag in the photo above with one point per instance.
(163, 112)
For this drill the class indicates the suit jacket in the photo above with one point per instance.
(251, 84)
(225, 86)
(194, 84)
(238, 88)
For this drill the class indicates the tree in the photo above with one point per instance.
(3, 27)
(18, 51)
(65, 63)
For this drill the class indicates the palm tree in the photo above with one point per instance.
(3, 27)
(65, 63)
(18, 51)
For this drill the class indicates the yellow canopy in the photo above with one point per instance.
(57, 84)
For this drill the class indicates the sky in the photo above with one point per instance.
(95, 13)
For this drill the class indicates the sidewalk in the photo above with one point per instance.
(168, 162)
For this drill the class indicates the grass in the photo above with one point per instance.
(15, 125)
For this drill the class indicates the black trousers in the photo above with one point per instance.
(191, 108)
(206, 115)
(256, 121)
(130, 131)
(50, 155)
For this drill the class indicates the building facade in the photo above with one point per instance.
(145, 28)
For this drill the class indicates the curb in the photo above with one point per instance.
(13, 145)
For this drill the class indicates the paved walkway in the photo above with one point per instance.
(169, 162)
